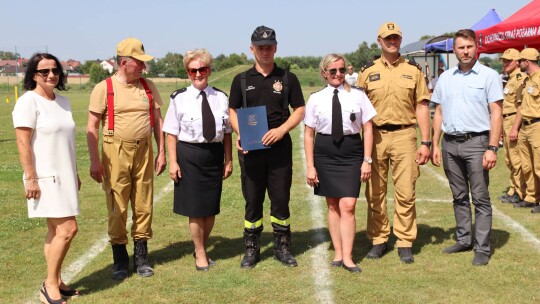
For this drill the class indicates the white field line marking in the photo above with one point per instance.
(98, 247)
(319, 255)
(525, 234)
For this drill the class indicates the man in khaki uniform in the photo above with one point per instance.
(126, 166)
(398, 91)
(529, 111)
(511, 126)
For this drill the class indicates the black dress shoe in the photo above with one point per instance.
(377, 251)
(353, 269)
(457, 247)
(210, 261)
(203, 268)
(337, 263)
(405, 255)
(524, 204)
(480, 259)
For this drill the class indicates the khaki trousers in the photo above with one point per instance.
(128, 178)
(530, 161)
(512, 158)
(398, 150)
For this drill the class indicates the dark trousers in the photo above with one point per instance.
(267, 169)
(462, 162)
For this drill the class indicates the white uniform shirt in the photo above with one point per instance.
(184, 117)
(356, 109)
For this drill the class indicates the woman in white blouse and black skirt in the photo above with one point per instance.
(200, 153)
(337, 156)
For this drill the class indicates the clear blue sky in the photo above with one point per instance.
(85, 30)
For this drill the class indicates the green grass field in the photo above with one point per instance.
(511, 277)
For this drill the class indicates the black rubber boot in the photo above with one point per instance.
(252, 240)
(121, 262)
(282, 248)
(140, 259)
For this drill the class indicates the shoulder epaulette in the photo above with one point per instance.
(362, 69)
(318, 90)
(220, 91)
(413, 63)
(182, 90)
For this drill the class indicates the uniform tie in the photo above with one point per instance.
(337, 120)
(208, 121)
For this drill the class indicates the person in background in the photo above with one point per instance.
(338, 157)
(398, 91)
(267, 169)
(471, 118)
(351, 75)
(200, 154)
(45, 133)
(126, 167)
(529, 114)
(511, 126)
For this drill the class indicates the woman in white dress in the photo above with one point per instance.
(45, 133)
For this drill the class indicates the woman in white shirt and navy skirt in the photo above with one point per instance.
(200, 153)
(337, 156)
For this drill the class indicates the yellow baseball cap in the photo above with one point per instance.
(132, 47)
(529, 54)
(389, 28)
(510, 54)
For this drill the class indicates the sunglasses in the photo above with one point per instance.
(45, 72)
(334, 71)
(203, 71)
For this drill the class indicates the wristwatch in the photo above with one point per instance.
(368, 160)
(426, 143)
(493, 148)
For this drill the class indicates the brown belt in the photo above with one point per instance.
(393, 127)
(509, 114)
(530, 122)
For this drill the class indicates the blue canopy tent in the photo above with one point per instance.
(445, 46)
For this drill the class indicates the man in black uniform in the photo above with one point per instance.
(267, 85)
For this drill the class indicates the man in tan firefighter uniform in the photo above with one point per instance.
(398, 91)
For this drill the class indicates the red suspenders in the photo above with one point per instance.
(110, 103)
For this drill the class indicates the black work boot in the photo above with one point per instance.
(140, 260)
(252, 240)
(282, 248)
(121, 262)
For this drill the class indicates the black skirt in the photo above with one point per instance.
(338, 165)
(198, 192)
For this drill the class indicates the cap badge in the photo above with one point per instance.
(390, 26)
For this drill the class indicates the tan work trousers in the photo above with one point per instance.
(128, 178)
(512, 158)
(398, 150)
(530, 160)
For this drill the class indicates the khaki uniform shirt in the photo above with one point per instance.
(131, 108)
(394, 89)
(511, 91)
(530, 106)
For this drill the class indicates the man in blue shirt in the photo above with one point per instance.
(469, 112)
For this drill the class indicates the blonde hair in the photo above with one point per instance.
(326, 61)
(201, 54)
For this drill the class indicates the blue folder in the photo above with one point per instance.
(253, 125)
